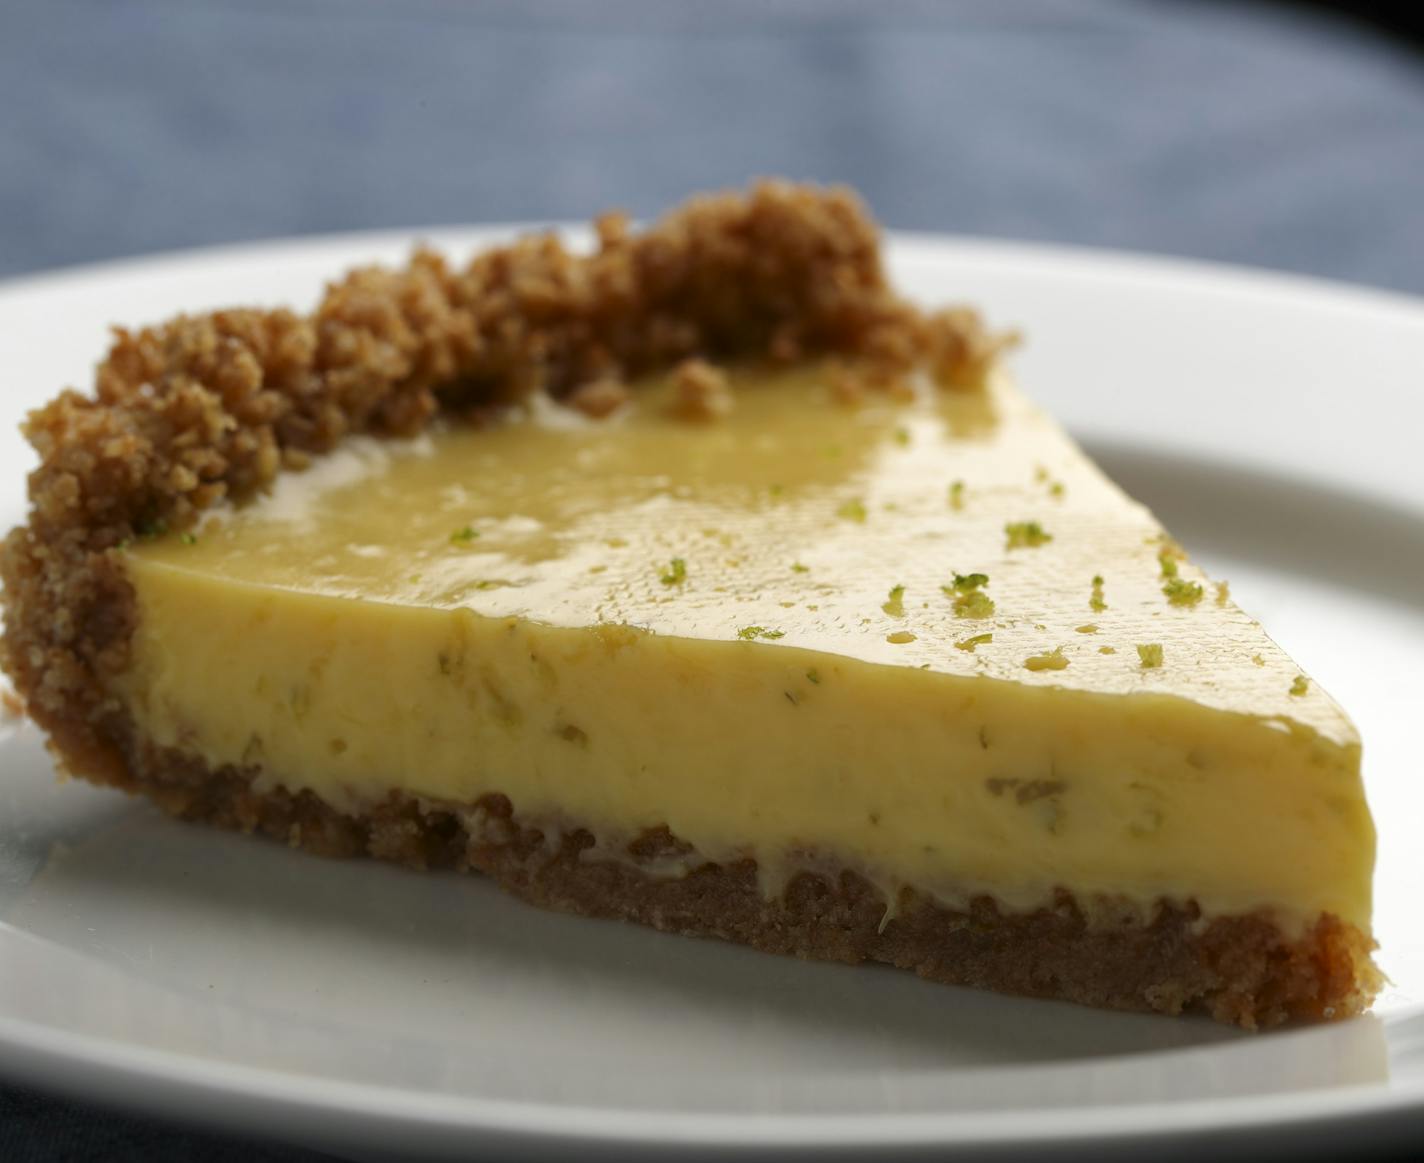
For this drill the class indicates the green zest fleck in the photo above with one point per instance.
(895, 605)
(463, 536)
(777, 490)
(902, 436)
(1151, 655)
(968, 644)
(852, 510)
(956, 495)
(1042, 476)
(1026, 535)
(1300, 686)
(1223, 592)
(1053, 660)
(973, 605)
(190, 539)
(1181, 592)
(797, 567)
(813, 676)
(676, 573)
(1168, 562)
(1095, 600)
(969, 599)
(148, 530)
(747, 633)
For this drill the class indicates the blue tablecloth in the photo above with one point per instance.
(1235, 133)
(1241, 133)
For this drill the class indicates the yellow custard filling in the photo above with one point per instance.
(877, 638)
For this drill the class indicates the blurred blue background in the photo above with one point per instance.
(1254, 134)
(1264, 134)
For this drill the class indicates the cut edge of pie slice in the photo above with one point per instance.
(944, 740)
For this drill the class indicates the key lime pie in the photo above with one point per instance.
(701, 581)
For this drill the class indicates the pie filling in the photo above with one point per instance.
(805, 633)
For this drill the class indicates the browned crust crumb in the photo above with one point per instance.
(11, 705)
(212, 406)
(959, 350)
(600, 399)
(852, 384)
(1240, 970)
(849, 386)
(701, 391)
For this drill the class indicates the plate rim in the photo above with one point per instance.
(108, 1070)
(118, 1072)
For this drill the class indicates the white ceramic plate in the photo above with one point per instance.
(1273, 423)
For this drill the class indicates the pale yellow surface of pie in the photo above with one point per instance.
(748, 630)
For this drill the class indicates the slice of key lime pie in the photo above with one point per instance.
(699, 581)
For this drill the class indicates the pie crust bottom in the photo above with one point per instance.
(1244, 970)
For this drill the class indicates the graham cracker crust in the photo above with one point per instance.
(1241, 970)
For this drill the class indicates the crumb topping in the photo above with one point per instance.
(599, 398)
(702, 391)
